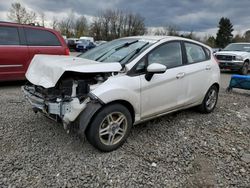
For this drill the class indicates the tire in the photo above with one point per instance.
(110, 127)
(210, 100)
(244, 69)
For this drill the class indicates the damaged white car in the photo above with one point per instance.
(106, 90)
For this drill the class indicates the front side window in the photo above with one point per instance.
(9, 36)
(195, 53)
(36, 37)
(168, 54)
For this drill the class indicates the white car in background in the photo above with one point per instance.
(236, 57)
(127, 81)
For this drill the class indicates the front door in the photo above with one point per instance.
(167, 91)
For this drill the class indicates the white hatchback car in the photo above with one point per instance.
(106, 90)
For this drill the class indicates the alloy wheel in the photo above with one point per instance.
(211, 99)
(113, 128)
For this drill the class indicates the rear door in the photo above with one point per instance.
(198, 71)
(13, 53)
(41, 41)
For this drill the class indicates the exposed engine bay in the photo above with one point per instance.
(68, 98)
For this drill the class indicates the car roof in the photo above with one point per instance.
(240, 43)
(73, 38)
(26, 25)
(158, 38)
(149, 37)
(19, 24)
(165, 38)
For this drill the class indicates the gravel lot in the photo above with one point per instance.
(184, 149)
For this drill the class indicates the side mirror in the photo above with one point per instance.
(154, 68)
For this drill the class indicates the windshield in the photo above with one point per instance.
(120, 50)
(238, 47)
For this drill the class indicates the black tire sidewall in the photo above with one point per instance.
(204, 108)
(244, 69)
(92, 132)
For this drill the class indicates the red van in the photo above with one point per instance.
(19, 43)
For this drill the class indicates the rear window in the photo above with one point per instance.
(37, 37)
(9, 36)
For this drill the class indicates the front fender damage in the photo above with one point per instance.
(70, 102)
(81, 113)
(87, 114)
(76, 108)
(69, 112)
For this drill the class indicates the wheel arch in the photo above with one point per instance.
(126, 104)
(88, 115)
(216, 85)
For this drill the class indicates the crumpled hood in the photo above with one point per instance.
(46, 70)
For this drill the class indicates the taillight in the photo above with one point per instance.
(67, 52)
(216, 60)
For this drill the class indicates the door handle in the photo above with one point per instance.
(180, 75)
(208, 67)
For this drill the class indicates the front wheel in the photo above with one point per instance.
(210, 100)
(110, 127)
(244, 69)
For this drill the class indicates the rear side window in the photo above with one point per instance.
(36, 37)
(9, 36)
(208, 53)
(195, 53)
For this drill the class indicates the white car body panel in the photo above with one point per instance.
(124, 88)
(46, 70)
(177, 88)
(244, 55)
(169, 92)
(197, 87)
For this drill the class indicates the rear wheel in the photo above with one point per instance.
(110, 127)
(210, 100)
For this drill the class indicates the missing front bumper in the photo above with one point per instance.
(66, 111)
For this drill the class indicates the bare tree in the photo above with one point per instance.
(96, 29)
(54, 23)
(112, 24)
(81, 27)
(172, 30)
(161, 31)
(134, 24)
(42, 16)
(191, 35)
(19, 14)
(66, 26)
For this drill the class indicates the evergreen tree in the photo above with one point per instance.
(210, 41)
(247, 36)
(224, 34)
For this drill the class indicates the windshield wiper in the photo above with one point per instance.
(113, 50)
(136, 51)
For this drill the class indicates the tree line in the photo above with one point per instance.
(112, 24)
(108, 25)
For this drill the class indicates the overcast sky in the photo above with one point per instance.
(200, 16)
